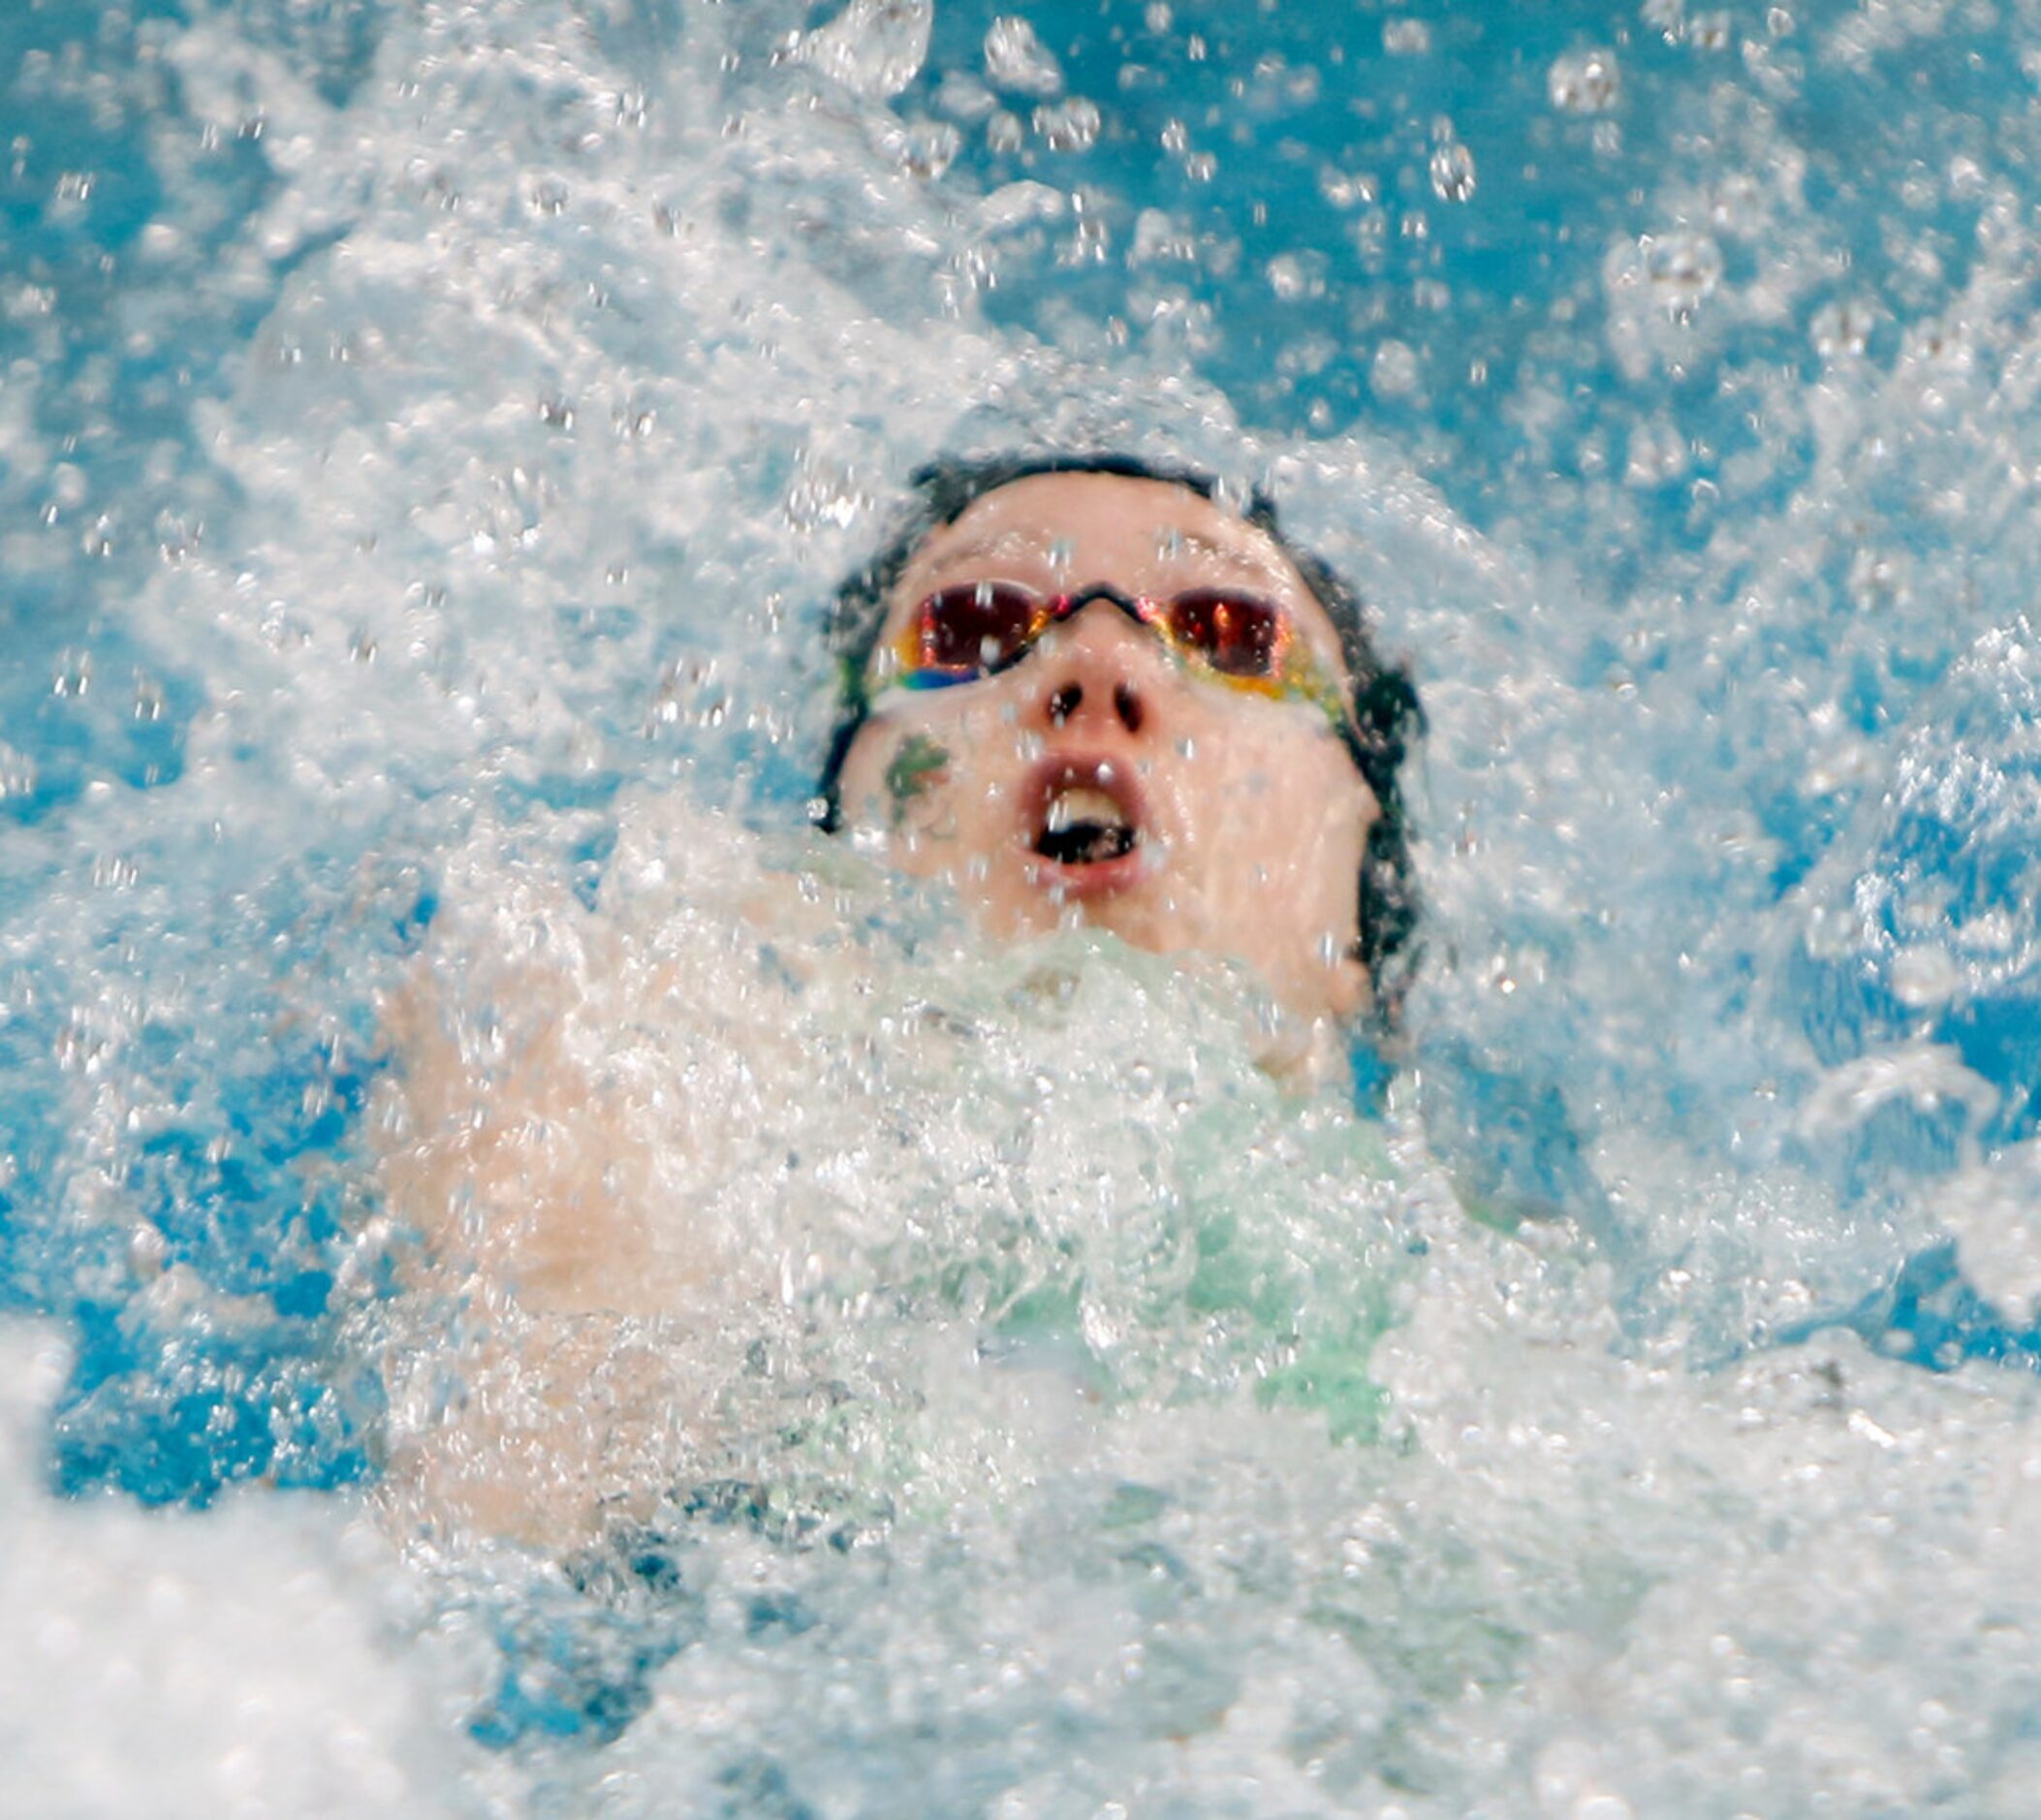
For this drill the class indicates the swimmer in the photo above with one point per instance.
(1081, 689)
(1078, 691)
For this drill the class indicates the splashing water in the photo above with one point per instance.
(427, 435)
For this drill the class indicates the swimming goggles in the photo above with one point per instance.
(973, 629)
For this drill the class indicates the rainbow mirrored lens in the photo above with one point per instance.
(972, 629)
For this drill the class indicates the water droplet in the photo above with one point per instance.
(74, 675)
(1709, 31)
(1925, 976)
(1452, 172)
(1841, 327)
(1017, 59)
(1583, 82)
(873, 47)
(1393, 370)
(1004, 133)
(17, 774)
(928, 147)
(1685, 269)
(1068, 125)
(1287, 277)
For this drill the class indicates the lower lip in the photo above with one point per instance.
(1099, 879)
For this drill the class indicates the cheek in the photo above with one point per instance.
(932, 785)
(1284, 811)
(894, 777)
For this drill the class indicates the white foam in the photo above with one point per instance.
(533, 477)
(252, 1659)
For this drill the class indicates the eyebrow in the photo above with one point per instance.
(1010, 542)
(1262, 562)
(980, 549)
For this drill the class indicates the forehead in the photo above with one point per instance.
(1112, 526)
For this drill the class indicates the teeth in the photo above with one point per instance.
(1084, 825)
(1080, 804)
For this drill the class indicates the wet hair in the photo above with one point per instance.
(1386, 714)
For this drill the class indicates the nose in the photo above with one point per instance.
(1099, 671)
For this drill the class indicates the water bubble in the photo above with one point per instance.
(17, 774)
(1709, 31)
(1924, 976)
(1452, 172)
(1014, 205)
(1406, 37)
(1159, 235)
(1288, 277)
(928, 147)
(72, 677)
(963, 97)
(1068, 125)
(1583, 82)
(1657, 453)
(1393, 370)
(67, 485)
(1842, 326)
(1004, 133)
(1683, 268)
(1018, 60)
(1877, 581)
(873, 47)
(1345, 189)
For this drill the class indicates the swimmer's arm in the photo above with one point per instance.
(537, 1403)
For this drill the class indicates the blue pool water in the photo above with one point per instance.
(428, 433)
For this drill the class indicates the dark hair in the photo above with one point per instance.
(1386, 714)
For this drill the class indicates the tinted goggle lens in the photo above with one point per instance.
(976, 627)
(1236, 634)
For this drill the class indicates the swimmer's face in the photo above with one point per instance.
(1113, 773)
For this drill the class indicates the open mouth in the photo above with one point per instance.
(1086, 825)
(1083, 826)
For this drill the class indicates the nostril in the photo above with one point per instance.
(1128, 705)
(1064, 702)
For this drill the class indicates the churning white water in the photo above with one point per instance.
(967, 1379)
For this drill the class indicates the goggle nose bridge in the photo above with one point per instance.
(1069, 605)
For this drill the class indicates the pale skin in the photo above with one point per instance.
(1250, 815)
